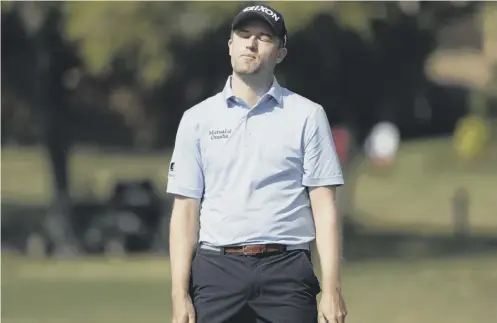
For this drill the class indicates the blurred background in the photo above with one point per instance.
(92, 94)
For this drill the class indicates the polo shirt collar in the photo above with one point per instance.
(275, 91)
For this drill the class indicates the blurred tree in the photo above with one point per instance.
(140, 33)
(38, 46)
(133, 43)
(143, 40)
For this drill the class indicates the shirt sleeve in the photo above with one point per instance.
(321, 163)
(185, 176)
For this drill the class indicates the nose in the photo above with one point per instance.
(252, 43)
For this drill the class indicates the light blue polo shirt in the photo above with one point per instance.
(251, 166)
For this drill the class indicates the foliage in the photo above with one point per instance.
(140, 33)
(471, 135)
(33, 14)
(7, 6)
(490, 20)
(490, 35)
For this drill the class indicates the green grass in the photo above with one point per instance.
(26, 177)
(86, 291)
(416, 194)
(137, 290)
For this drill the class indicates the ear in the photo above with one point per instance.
(281, 55)
(230, 41)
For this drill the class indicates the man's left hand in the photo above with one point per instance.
(332, 308)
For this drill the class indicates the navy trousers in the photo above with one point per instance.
(272, 288)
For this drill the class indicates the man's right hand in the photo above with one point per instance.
(183, 310)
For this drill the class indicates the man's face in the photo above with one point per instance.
(253, 48)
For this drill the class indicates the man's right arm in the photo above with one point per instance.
(186, 183)
(182, 241)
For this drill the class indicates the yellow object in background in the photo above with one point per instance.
(470, 136)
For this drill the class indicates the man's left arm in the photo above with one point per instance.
(328, 236)
(322, 175)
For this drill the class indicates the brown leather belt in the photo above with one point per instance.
(254, 250)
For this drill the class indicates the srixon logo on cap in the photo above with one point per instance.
(266, 10)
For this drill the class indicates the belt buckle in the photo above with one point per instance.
(252, 250)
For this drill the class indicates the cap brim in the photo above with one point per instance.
(253, 15)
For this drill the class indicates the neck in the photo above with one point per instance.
(250, 88)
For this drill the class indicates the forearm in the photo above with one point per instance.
(328, 236)
(182, 241)
(328, 241)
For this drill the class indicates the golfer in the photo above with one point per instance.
(254, 172)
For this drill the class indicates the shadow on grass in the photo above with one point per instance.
(360, 245)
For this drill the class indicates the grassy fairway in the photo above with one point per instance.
(416, 195)
(137, 290)
(91, 290)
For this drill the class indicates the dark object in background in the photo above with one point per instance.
(134, 219)
(130, 222)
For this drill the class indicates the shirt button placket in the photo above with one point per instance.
(246, 130)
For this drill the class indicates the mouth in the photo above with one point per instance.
(248, 56)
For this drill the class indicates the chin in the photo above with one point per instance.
(247, 71)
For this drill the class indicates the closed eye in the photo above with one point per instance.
(242, 33)
(266, 37)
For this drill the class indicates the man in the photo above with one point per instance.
(258, 163)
